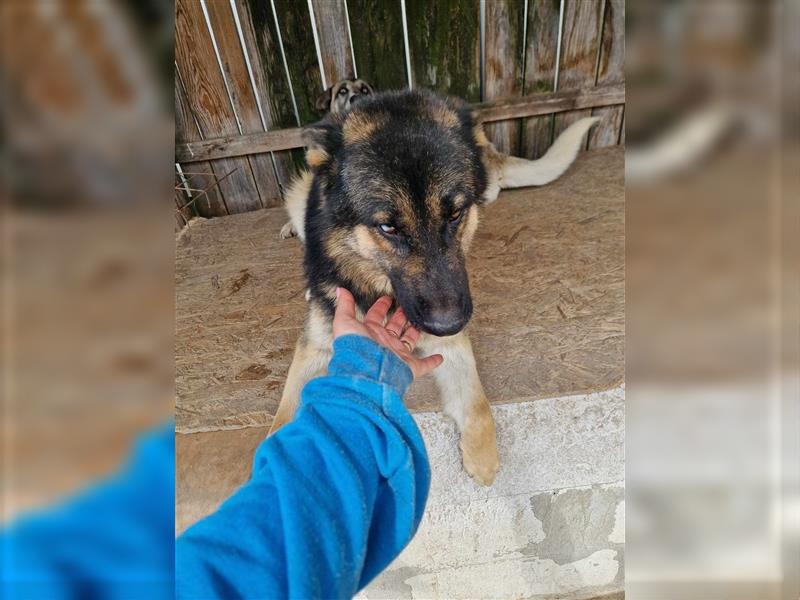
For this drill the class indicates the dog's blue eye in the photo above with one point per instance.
(388, 229)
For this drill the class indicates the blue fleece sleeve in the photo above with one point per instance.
(115, 540)
(335, 495)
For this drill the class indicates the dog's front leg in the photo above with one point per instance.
(310, 360)
(464, 401)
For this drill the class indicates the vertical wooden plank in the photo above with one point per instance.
(540, 71)
(242, 96)
(503, 69)
(212, 203)
(377, 29)
(301, 56)
(208, 100)
(444, 42)
(610, 70)
(334, 43)
(262, 43)
(580, 45)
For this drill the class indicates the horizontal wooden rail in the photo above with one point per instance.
(501, 110)
(544, 104)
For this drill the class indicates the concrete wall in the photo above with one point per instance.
(553, 523)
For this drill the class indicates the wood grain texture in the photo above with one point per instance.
(540, 70)
(243, 97)
(503, 72)
(301, 56)
(444, 42)
(514, 108)
(547, 276)
(377, 29)
(201, 175)
(579, 52)
(208, 99)
(542, 104)
(271, 80)
(611, 70)
(240, 145)
(334, 43)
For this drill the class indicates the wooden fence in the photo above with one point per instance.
(248, 72)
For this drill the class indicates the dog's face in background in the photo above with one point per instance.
(393, 206)
(341, 97)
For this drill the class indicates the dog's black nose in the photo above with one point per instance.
(445, 321)
(354, 98)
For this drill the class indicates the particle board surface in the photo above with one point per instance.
(547, 278)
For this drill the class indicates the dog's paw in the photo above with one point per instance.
(479, 448)
(288, 231)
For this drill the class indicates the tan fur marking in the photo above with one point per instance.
(316, 157)
(445, 116)
(470, 225)
(358, 128)
(297, 200)
(464, 400)
(480, 136)
(356, 253)
(311, 356)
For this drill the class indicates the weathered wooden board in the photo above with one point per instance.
(301, 55)
(263, 45)
(540, 70)
(200, 176)
(536, 104)
(208, 99)
(334, 42)
(611, 70)
(580, 47)
(243, 98)
(547, 275)
(444, 43)
(503, 70)
(377, 30)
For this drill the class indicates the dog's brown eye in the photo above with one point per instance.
(388, 229)
(343, 91)
(364, 90)
(456, 216)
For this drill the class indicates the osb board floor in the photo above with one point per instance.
(546, 273)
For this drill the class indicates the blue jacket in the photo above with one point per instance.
(334, 497)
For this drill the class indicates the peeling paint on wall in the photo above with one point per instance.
(520, 538)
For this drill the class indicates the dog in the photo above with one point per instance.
(389, 206)
(506, 172)
(341, 97)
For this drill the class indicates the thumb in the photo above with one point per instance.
(428, 364)
(345, 305)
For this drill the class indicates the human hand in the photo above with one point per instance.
(391, 336)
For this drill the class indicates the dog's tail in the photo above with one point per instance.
(520, 172)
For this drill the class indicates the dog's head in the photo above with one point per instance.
(341, 97)
(394, 205)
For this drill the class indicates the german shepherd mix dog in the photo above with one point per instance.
(390, 206)
(341, 97)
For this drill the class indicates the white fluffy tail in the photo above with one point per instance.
(520, 172)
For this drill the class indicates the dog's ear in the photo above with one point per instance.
(324, 100)
(322, 140)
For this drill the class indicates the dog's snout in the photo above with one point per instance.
(445, 321)
(354, 98)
